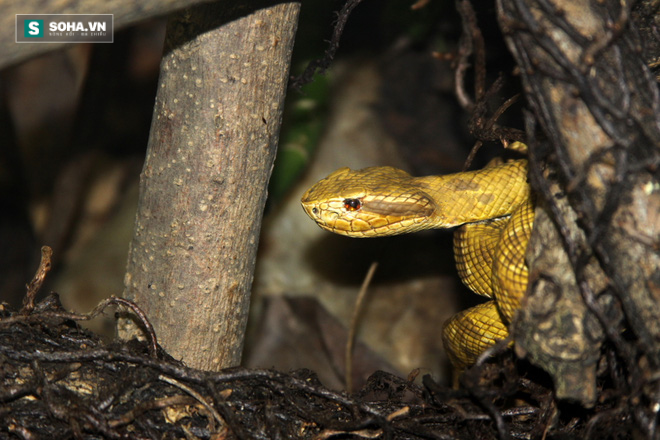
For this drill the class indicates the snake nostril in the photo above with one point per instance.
(315, 211)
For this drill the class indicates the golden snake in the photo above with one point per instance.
(495, 213)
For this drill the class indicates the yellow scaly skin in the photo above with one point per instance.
(493, 208)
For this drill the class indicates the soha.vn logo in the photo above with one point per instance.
(64, 28)
(33, 29)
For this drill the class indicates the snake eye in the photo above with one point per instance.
(315, 211)
(352, 204)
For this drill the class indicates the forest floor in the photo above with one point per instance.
(62, 381)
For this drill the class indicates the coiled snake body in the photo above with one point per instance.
(493, 208)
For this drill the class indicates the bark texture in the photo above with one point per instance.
(203, 187)
(594, 264)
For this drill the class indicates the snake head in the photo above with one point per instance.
(369, 202)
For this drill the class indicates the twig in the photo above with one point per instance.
(348, 361)
(470, 381)
(37, 280)
(161, 403)
(151, 333)
(194, 394)
(472, 42)
(465, 49)
(510, 133)
(473, 153)
(153, 346)
(321, 64)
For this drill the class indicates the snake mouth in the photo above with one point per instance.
(368, 220)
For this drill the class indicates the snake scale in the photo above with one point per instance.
(492, 209)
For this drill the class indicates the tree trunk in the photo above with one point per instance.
(594, 265)
(203, 187)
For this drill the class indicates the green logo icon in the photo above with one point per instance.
(33, 29)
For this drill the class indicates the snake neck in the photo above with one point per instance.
(475, 196)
